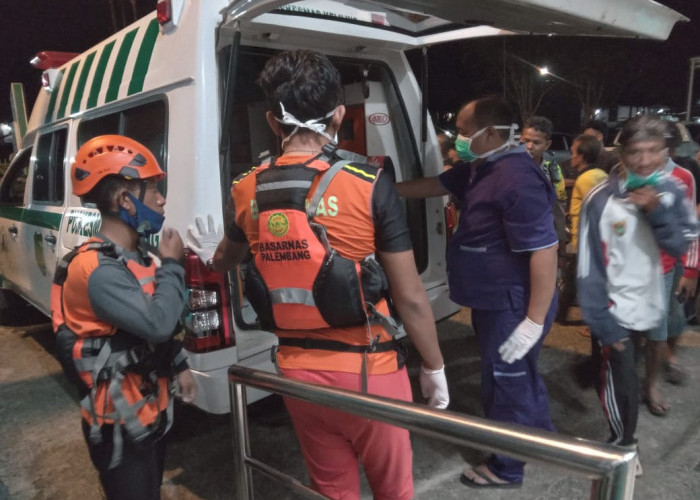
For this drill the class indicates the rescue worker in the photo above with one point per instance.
(503, 264)
(114, 313)
(361, 216)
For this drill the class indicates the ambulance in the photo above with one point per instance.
(182, 81)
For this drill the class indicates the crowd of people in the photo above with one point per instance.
(618, 228)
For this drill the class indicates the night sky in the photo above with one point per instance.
(458, 72)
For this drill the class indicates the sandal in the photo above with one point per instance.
(481, 479)
(675, 374)
(656, 407)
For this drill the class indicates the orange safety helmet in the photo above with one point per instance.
(112, 155)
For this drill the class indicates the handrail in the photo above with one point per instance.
(611, 468)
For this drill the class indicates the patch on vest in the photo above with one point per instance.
(619, 227)
(278, 224)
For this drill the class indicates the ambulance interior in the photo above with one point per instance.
(375, 126)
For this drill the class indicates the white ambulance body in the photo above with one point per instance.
(182, 82)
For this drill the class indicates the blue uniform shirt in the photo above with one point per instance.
(506, 213)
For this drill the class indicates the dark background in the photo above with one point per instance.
(640, 72)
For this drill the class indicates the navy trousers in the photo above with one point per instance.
(514, 392)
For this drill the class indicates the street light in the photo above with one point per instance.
(544, 72)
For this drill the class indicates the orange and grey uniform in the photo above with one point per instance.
(362, 214)
(122, 296)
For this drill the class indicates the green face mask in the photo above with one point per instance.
(635, 181)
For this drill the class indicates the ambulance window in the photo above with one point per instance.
(103, 125)
(146, 124)
(15, 180)
(48, 180)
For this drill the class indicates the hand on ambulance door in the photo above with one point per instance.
(525, 335)
(187, 386)
(170, 246)
(203, 240)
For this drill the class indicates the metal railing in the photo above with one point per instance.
(611, 468)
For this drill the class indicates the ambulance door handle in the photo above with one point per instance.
(50, 239)
(13, 231)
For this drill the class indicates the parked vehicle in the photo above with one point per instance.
(560, 150)
(182, 82)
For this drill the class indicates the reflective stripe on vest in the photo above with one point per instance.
(293, 296)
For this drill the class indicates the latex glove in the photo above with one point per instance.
(433, 386)
(203, 240)
(525, 335)
(187, 386)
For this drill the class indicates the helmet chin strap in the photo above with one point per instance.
(313, 124)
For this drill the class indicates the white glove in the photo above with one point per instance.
(525, 335)
(433, 386)
(204, 240)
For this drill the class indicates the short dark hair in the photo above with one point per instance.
(598, 125)
(541, 124)
(304, 81)
(589, 148)
(493, 111)
(103, 193)
(643, 128)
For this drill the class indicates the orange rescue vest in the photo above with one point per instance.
(298, 283)
(114, 368)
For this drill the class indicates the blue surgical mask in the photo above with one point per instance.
(145, 221)
(463, 144)
(635, 181)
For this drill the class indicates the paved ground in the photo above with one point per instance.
(42, 455)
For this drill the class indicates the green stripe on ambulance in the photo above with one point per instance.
(103, 73)
(49, 220)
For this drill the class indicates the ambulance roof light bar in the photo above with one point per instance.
(47, 59)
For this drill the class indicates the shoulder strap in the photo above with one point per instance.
(61, 273)
(322, 186)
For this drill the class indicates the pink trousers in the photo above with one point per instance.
(334, 443)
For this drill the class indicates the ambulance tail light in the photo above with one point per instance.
(208, 321)
(450, 220)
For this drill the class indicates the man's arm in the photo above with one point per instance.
(117, 298)
(229, 254)
(426, 187)
(412, 305)
(543, 277)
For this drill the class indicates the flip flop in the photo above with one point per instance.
(489, 483)
(655, 407)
